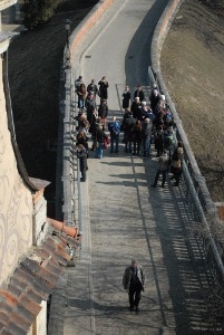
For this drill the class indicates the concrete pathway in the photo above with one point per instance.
(125, 219)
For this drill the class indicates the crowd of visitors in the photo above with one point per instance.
(142, 126)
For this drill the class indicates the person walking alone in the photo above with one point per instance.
(134, 283)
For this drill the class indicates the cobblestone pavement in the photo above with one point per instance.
(124, 218)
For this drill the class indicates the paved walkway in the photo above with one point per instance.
(125, 219)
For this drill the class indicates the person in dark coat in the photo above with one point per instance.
(137, 137)
(139, 93)
(159, 140)
(154, 97)
(81, 138)
(82, 153)
(146, 136)
(93, 128)
(90, 105)
(126, 98)
(136, 109)
(92, 88)
(128, 125)
(103, 86)
(134, 283)
(103, 111)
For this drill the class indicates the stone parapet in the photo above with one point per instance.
(7, 3)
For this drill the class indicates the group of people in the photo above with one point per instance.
(142, 126)
(91, 119)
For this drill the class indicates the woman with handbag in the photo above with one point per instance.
(177, 163)
(100, 138)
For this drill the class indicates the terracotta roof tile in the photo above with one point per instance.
(15, 317)
(30, 283)
(10, 299)
(30, 304)
(16, 330)
(25, 275)
(4, 317)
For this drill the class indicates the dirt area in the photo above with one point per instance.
(192, 66)
(34, 72)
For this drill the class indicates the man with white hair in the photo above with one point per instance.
(154, 97)
(114, 129)
(136, 108)
(134, 283)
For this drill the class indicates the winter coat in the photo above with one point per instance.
(136, 110)
(92, 88)
(126, 99)
(128, 277)
(163, 162)
(139, 94)
(100, 136)
(129, 125)
(81, 92)
(137, 134)
(103, 89)
(103, 111)
(147, 130)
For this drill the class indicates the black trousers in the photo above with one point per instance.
(158, 173)
(83, 167)
(134, 295)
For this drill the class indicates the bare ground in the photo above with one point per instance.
(192, 66)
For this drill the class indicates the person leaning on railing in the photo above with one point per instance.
(177, 163)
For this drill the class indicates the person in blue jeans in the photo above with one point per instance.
(114, 129)
(100, 137)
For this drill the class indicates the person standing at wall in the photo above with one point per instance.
(82, 154)
(126, 98)
(81, 92)
(103, 86)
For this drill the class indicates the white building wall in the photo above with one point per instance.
(16, 206)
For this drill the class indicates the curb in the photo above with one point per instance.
(87, 23)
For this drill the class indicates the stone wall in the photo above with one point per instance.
(15, 201)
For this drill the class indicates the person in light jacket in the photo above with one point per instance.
(134, 283)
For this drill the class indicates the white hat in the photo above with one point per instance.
(143, 103)
(162, 97)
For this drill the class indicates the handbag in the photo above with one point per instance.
(177, 164)
(106, 142)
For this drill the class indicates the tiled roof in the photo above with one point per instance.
(32, 282)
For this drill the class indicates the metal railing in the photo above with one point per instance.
(197, 193)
